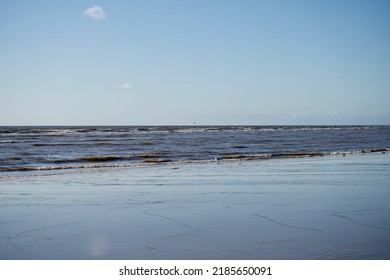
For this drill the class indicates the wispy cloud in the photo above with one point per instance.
(126, 86)
(95, 12)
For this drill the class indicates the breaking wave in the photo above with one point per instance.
(107, 161)
(51, 148)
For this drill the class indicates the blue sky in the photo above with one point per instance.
(171, 62)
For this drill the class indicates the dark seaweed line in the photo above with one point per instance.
(148, 246)
(286, 225)
(357, 223)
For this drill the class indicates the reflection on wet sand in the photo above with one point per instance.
(319, 208)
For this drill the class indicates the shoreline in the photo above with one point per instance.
(58, 170)
(331, 207)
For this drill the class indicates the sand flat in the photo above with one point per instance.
(331, 207)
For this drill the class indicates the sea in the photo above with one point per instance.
(32, 149)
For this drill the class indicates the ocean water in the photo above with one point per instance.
(33, 149)
(254, 192)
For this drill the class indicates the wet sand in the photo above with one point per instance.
(331, 207)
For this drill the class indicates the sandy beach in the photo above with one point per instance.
(330, 207)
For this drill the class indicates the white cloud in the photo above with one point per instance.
(95, 12)
(126, 86)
